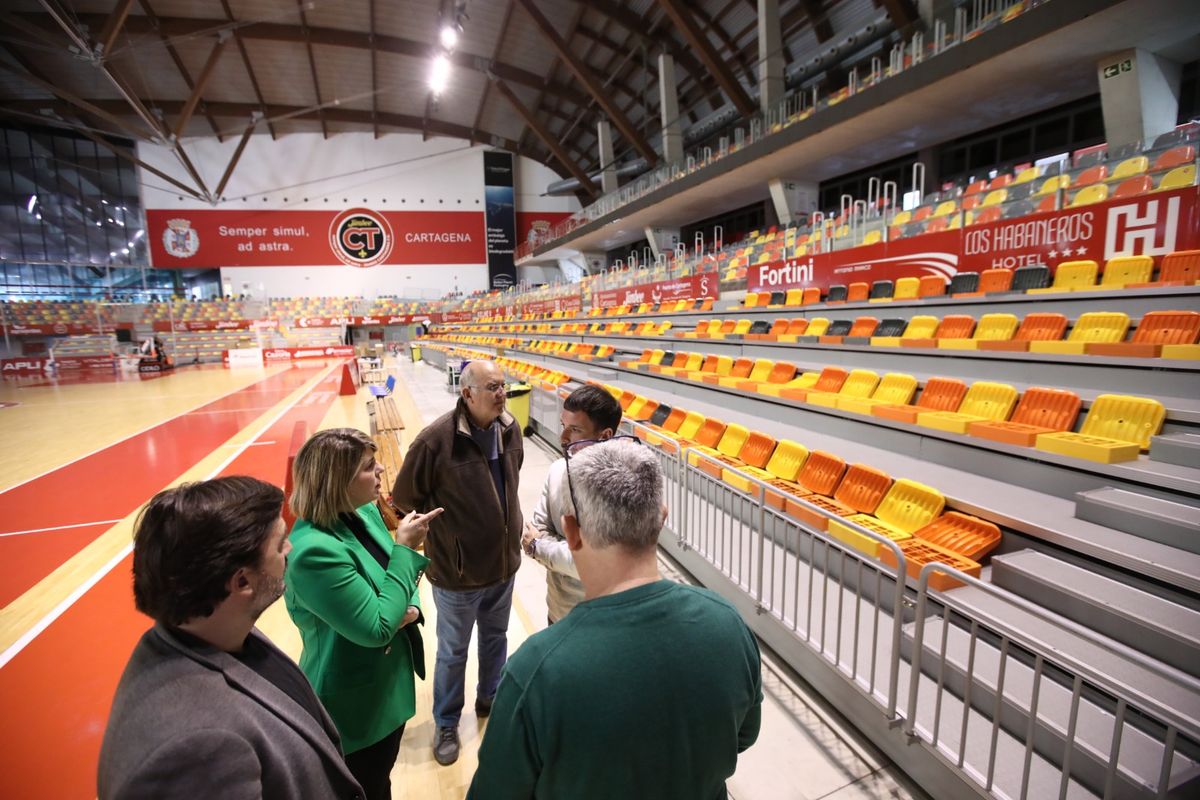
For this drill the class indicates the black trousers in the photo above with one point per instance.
(372, 766)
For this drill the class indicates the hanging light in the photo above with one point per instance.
(439, 74)
(32, 203)
(449, 36)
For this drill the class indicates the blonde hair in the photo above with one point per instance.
(322, 472)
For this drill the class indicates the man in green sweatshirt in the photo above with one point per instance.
(647, 688)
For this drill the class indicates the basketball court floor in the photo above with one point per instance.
(78, 459)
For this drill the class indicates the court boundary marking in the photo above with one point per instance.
(46, 621)
(61, 527)
(115, 442)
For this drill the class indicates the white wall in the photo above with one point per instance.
(397, 172)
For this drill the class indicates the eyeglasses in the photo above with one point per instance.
(491, 388)
(575, 448)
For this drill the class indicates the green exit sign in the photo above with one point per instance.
(1113, 70)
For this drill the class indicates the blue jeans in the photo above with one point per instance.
(457, 613)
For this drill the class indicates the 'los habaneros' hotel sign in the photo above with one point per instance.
(358, 237)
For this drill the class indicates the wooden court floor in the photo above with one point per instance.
(78, 459)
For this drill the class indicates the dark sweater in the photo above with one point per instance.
(651, 692)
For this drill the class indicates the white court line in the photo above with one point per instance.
(149, 427)
(20, 644)
(252, 444)
(61, 527)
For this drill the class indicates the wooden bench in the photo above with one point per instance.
(387, 454)
(387, 417)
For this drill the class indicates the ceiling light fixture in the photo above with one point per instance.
(439, 74)
(32, 203)
(449, 37)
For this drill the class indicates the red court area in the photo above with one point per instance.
(111, 483)
(57, 691)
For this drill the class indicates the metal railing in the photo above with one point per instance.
(850, 609)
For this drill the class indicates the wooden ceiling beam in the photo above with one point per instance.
(682, 17)
(584, 75)
(112, 27)
(201, 82)
(333, 37)
(243, 111)
(312, 65)
(262, 105)
(508, 13)
(237, 156)
(179, 65)
(549, 140)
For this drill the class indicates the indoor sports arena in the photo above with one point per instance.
(772, 399)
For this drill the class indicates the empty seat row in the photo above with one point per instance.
(1181, 268)
(1167, 334)
(1116, 427)
(820, 489)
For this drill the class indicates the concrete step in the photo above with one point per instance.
(1161, 629)
(1153, 518)
(1141, 751)
(1177, 448)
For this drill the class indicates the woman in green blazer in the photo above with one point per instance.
(352, 592)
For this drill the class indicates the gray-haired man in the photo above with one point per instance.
(648, 688)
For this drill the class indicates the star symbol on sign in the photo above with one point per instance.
(1053, 254)
(362, 253)
(1082, 251)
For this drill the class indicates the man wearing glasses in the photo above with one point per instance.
(647, 688)
(469, 462)
(590, 414)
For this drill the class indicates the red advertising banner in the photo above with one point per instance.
(85, 363)
(456, 316)
(21, 367)
(194, 325)
(64, 329)
(572, 303)
(358, 237)
(1152, 224)
(689, 288)
(276, 354)
(535, 225)
(337, 322)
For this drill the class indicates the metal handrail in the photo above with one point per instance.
(1187, 725)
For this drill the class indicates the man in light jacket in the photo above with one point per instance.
(590, 414)
(207, 706)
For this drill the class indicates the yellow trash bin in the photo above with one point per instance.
(415, 351)
(518, 403)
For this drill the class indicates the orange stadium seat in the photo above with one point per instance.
(938, 394)
(1040, 410)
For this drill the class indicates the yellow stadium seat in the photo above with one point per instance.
(1071, 276)
(994, 198)
(1178, 178)
(1128, 168)
(1094, 327)
(751, 300)
(758, 374)
(817, 326)
(858, 384)
(1052, 185)
(907, 507)
(873, 237)
(896, 388)
(1123, 270)
(1117, 428)
(903, 218)
(921, 326)
(794, 297)
(907, 289)
(1096, 193)
(1026, 175)
(945, 208)
(984, 401)
(991, 328)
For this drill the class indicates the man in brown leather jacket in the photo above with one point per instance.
(468, 462)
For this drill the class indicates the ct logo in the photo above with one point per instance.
(361, 237)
